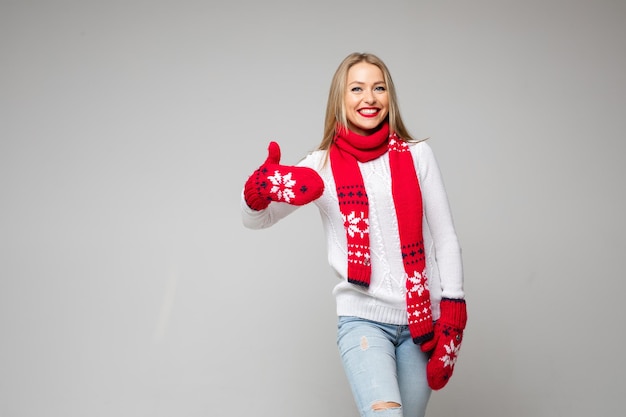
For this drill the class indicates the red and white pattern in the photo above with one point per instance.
(356, 224)
(275, 182)
(347, 150)
(452, 351)
(282, 186)
(447, 342)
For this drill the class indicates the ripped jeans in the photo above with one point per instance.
(385, 369)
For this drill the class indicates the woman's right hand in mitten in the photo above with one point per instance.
(275, 182)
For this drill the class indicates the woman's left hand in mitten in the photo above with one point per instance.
(446, 344)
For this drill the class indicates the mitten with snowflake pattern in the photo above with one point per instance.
(446, 344)
(275, 182)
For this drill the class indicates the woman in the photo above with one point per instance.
(390, 236)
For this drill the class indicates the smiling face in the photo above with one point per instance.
(366, 99)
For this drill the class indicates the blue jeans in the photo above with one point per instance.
(383, 365)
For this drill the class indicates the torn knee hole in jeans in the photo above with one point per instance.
(385, 405)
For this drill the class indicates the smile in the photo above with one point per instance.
(369, 112)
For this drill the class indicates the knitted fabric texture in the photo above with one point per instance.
(446, 343)
(346, 151)
(283, 183)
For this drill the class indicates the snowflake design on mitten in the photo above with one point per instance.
(282, 186)
(452, 351)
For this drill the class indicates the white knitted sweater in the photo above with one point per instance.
(384, 301)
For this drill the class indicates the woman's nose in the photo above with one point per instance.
(369, 97)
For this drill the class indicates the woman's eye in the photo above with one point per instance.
(380, 88)
(355, 89)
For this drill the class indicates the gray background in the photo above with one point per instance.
(129, 287)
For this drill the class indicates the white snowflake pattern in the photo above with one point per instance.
(282, 186)
(356, 224)
(451, 354)
(397, 145)
(419, 284)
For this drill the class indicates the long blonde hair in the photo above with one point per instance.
(336, 109)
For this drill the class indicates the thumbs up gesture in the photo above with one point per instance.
(275, 182)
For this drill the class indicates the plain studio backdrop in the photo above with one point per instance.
(129, 287)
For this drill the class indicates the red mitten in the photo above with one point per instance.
(275, 182)
(446, 343)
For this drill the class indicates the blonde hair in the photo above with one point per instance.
(336, 109)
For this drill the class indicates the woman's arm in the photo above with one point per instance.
(439, 217)
(274, 191)
(261, 219)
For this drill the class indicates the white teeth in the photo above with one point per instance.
(368, 111)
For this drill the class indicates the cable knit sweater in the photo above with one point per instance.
(385, 300)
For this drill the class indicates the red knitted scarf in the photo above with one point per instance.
(346, 151)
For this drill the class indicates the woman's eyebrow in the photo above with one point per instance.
(362, 82)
